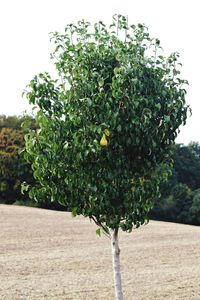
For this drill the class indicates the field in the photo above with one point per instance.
(50, 255)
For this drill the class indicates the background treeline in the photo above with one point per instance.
(13, 168)
(180, 196)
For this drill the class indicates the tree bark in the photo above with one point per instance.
(116, 264)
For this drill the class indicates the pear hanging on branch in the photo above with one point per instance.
(104, 141)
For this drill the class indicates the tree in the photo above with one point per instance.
(187, 165)
(177, 193)
(195, 207)
(107, 125)
(13, 167)
(15, 122)
(195, 148)
(175, 206)
(11, 140)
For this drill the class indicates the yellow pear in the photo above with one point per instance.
(103, 141)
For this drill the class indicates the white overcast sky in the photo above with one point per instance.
(25, 46)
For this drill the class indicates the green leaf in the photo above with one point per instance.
(167, 119)
(116, 70)
(158, 105)
(74, 212)
(101, 82)
(98, 232)
(119, 128)
(89, 101)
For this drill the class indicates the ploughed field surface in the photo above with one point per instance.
(50, 255)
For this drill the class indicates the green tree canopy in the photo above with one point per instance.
(106, 83)
(107, 123)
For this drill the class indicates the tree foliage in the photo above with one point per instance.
(13, 168)
(187, 165)
(179, 195)
(15, 122)
(107, 124)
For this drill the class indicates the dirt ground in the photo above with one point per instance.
(50, 255)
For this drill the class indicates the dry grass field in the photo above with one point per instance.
(50, 255)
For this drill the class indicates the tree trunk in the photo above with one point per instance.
(116, 264)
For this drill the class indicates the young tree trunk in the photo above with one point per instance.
(116, 264)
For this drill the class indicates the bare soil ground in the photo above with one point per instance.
(50, 255)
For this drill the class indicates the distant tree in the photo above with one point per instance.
(107, 125)
(182, 198)
(11, 141)
(187, 165)
(174, 206)
(177, 194)
(10, 122)
(13, 167)
(195, 208)
(15, 122)
(195, 148)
